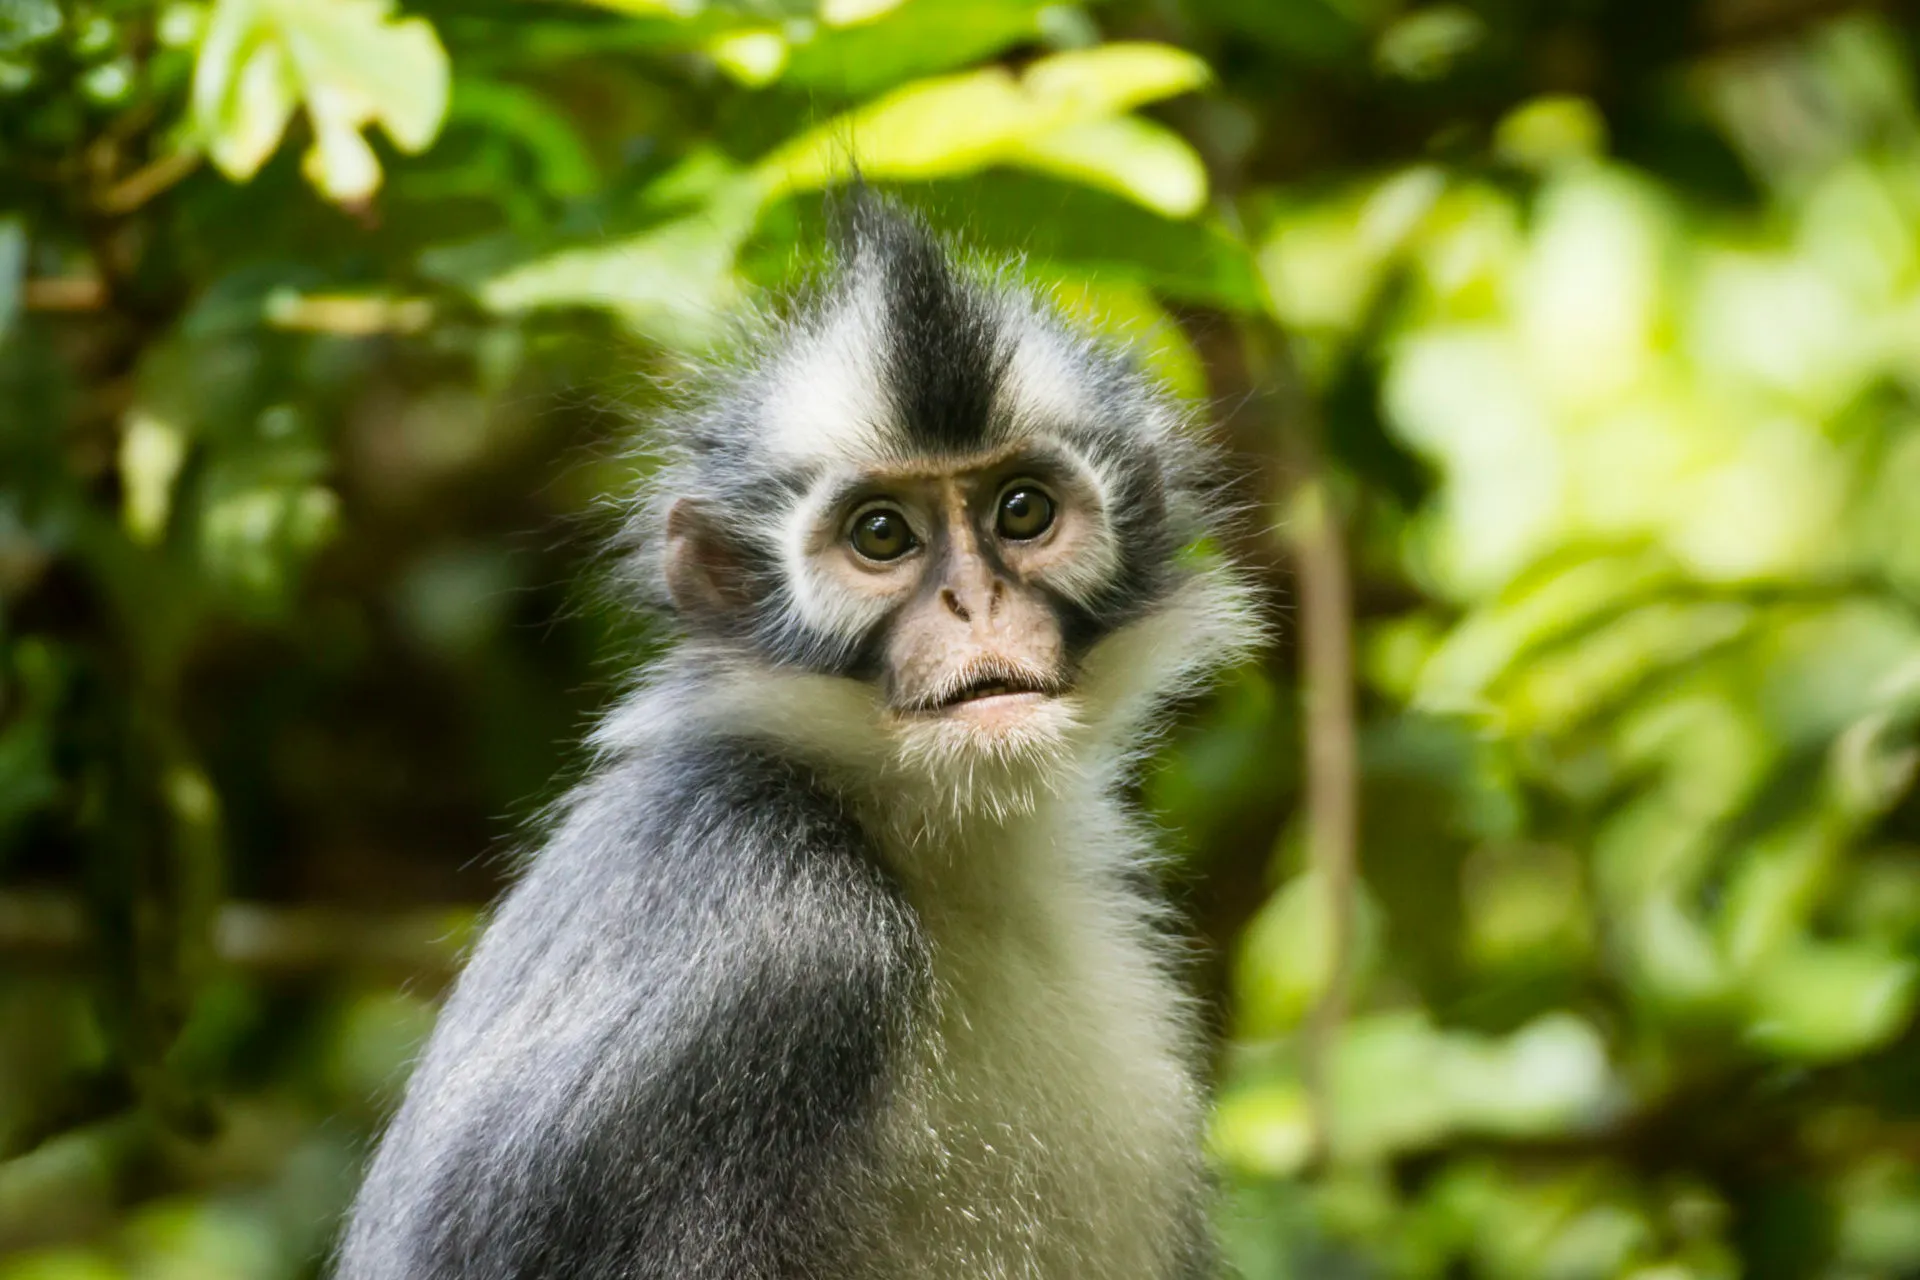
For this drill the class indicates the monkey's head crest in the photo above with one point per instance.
(924, 520)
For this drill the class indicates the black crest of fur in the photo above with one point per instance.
(945, 354)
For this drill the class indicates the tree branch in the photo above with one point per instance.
(53, 928)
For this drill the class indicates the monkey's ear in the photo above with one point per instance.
(706, 575)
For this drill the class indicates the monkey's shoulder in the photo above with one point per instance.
(715, 867)
(680, 1021)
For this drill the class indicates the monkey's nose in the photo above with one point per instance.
(974, 602)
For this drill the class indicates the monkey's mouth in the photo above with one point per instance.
(993, 686)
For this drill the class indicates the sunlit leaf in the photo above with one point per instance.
(1588, 294)
(151, 454)
(1826, 1001)
(1774, 889)
(1129, 316)
(1324, 264)
(850, 13)
(1675, 955)
(1551, 131)
(1880, 1214)
(1265, 1128)
(957, 124)
(1527, 906)
(1426, 43)
(1552, 1074)
(1136, 158)
(1114, 77)
(1558, 601)
(1555, 691)
(753, 57)
(1400, 1083)
(347, 61)
(654, 8)
(202, 1239)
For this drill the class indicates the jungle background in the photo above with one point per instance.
(1557, 865)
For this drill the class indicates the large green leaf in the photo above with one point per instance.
(1143, 161)
(347, 61)
(960, 124)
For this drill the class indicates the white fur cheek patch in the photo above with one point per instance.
(820, 603)
(1210, 623)
(1096, 556)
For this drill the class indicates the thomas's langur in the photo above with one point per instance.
(841, 963)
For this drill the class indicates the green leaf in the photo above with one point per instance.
(655, 8)
(917, 38)
(1128, 315)
(1265, 1128)
(1826, 1001)
(754, 57)
(347, 61)
(1086, 233)
(1287, 956)
(152, 451)
(671, 283)
(562, 163)
(1557, 604)
(24, 23)
(960, 124)
(929, 129)
(253, 540)
(853, 13)
(1400, 1083)
(60, 1264)
(1324, 263)
(1143, 161)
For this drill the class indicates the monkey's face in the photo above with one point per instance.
(962, 592)
(968, 571)
(928, 513)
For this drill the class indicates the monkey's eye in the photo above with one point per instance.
(881, 533)
(1026, 511)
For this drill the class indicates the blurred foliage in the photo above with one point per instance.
(1596, 328)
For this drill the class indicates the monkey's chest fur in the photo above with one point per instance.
(1049, 1125)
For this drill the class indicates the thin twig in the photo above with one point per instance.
(65, 293)
(143, 184)
(1329, 721)
(1332, 738)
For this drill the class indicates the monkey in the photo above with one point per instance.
(846, 958)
